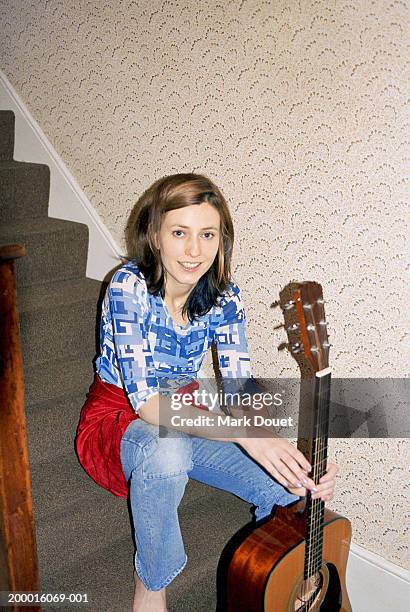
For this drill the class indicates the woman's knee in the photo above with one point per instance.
(271, 495)
(159, 454)
(170, 456)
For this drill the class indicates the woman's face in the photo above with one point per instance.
(188, 243)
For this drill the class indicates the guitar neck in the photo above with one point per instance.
(313, 442)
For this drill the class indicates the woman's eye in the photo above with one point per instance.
(177, 233)
(208, 235)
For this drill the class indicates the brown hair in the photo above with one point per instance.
(170, 193)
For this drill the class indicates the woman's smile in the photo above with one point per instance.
(190, 267)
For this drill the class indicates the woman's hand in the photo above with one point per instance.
(325, 488)
(283, 461)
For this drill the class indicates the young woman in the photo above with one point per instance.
(161, 312)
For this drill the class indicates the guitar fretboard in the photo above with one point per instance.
(317, 452)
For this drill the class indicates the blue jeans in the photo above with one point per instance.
(158, 468)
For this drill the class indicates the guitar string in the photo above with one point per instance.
(317, 506)
(318, 501)
(311, 517)
(316, 526)
(315, 540)
(316, 468)
(314, 504)
(314, 478)
(312, 507)
(317, 533)
(323, 460)
(316, 454)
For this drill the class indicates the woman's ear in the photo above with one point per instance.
(155, 241)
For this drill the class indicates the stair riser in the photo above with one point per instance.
(51, 432)
(47, 334)
(6, 135)
(24, 192)
(53, 380)
(53, 255)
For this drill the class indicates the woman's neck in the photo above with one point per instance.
(175, 297)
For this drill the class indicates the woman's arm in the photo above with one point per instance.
(280, 458)
(128, 307)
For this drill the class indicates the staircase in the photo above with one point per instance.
(83, 532)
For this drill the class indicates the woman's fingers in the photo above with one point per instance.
(326, 486)
(323, 496)
(324, 491)
(299, 477)
(330, 474)
(278, 476)
(297, 491)
(299, 457)
(286, 473)
(287, 466)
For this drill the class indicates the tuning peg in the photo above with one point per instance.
(326, 345)
(313, 349)
(296, 348)
(310, 327)
(320, 301)
(307, 306)
(289, 305)
(293, 327)
(323, 323)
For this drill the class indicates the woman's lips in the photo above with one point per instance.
(191, 268)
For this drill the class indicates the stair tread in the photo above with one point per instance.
(99, 572)
(57, 293)
(46, 382)
(13, 164)
(42, 225)
(45, 441)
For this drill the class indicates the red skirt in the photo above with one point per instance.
(105, 416)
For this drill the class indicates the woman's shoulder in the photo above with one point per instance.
(129, 272)
(232, 292)
(230, 302)
(128, 278)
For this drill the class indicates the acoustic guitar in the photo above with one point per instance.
(296, 560)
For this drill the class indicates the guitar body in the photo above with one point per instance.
(266, 571)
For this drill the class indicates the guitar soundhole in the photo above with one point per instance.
(308, 594)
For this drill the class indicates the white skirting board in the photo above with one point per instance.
(67, 200)
(375, 584)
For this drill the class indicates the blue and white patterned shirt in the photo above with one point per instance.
(146, 352)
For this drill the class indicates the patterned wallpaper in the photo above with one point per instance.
(297, 109)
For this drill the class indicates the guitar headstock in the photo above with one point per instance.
(305, 324)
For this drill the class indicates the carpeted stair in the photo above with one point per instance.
(83, 532)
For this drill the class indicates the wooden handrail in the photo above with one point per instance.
(18, 551)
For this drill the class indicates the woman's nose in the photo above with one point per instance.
(193, 247)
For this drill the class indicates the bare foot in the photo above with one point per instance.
(147, 601)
